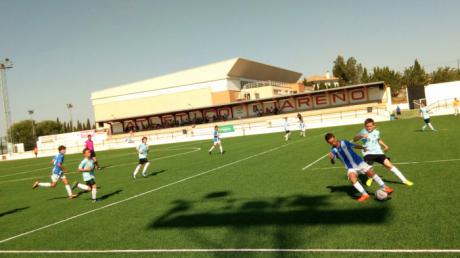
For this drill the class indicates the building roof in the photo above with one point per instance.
(231, 68)
(320, 78)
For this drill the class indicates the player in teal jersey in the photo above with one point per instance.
(373, 152)
(87, 166)
(143, 151)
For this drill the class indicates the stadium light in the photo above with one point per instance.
(69, 107)
(6, 64)
(31, 113)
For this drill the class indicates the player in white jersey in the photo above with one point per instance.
(370, 137)
(425, 113)
(287, 132)
(87, 166)
(142, 151)
(301, 125)
(216, 141)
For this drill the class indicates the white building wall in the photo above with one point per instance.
(442, 91)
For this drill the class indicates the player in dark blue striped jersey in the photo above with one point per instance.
(355, 165)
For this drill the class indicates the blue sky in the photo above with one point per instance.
(63, 50)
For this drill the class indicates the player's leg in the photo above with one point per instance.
(353, 177)
(83, 187)
(387, 163)
(136, 170)
(67, 187)
(52, 184)
(212, 148)
(144, 171)
(369, 159)
(93, 190)
(370, 173)
(425, 125)
(221, 148)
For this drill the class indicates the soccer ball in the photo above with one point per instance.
(381, 195)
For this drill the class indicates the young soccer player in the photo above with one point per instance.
(343, 150)
(57, 174)
(89, 144)
(301, 125)
(216, 141)
(425, 113)
(456, 104)
(287, 132)
(143, 151)
(87, 168)
(372, 152)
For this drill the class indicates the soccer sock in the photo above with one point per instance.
(221, 149)
(429, 124)
(44, 184)
(93, 193)
(378, 180)
(423, 128)
(398, 174)
(145, 168)
(137, 170)
(212, 148)
(360, 188)
(68, 189)
(83, 187)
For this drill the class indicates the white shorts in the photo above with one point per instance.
(362, 169)
(302, 126)
(55, 178)
(216, 142)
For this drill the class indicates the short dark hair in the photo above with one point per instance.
(61, 147)
(328, 136)
(144, 138)
(369, 120)
(85, 150)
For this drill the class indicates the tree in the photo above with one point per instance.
(88, 124)
(349, 72)
(415, 75)
(21, 132)
(365, 78)
(47, 127)
(392, 78)
(444, 74)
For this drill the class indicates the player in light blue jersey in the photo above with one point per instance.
(142, 151)
(57, 174)
(216, 141)
(354, 164)
(301, 125)
(287, 132)
(370, 137)
(425, 114)
(87, 166)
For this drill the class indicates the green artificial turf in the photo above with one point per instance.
(254, 196)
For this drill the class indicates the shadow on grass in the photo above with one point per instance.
(106, 196)
(291, 210)
(155, 173)
(13, 211)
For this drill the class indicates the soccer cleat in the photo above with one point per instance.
(408, 183)
(35, 185)
(209, 152)
(363, 198)
(74, 185)
(73, 196)
(387, 189)
(223, 152)
(369, 181)
(144, 175)
(95, 200)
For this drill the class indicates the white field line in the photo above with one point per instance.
(49, 168)
(109, 167)
(314, 162)
(233, 250)
(147, 192)
(400, 163)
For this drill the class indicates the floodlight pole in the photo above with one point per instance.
(69, 107)
(6, 64)
(31, 113)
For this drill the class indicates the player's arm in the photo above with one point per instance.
(59, 164)
(385, 147)
(331, 157)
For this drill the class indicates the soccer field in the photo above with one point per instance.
(256, 196)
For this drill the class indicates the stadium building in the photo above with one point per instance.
(160, 101)
(228, 90)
